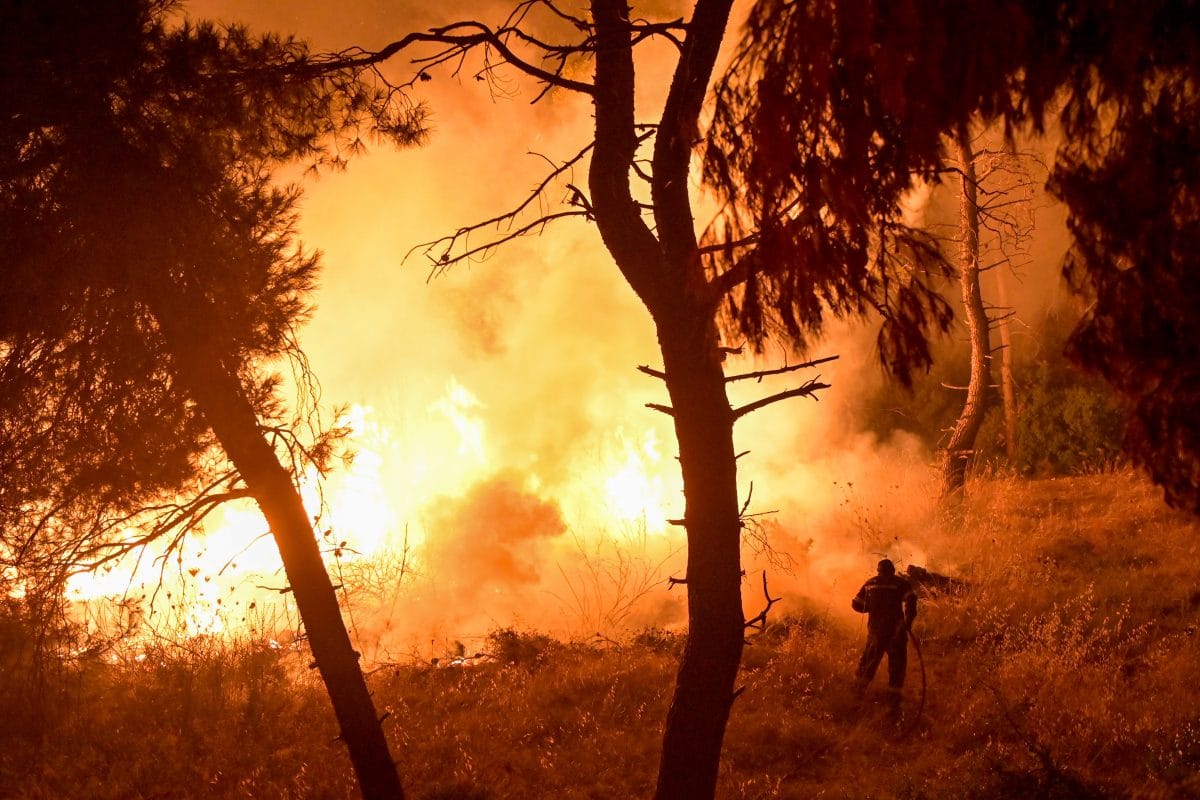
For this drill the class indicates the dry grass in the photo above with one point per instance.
(1070, 668)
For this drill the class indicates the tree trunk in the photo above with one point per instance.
(961, 447)
(665, 272)
(221, 398)
(1007, 390)
(703, 696)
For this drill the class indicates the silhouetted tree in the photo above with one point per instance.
(867, 87)
(1129, 172)
(151, 272)
(995, 220)
(961, 446)
(639, 196)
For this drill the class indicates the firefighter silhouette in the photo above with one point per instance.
(890, 604)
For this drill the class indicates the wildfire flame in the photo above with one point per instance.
(636, 491)
(378, 505)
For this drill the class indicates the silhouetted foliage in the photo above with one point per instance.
(822, 121)
(1133, 187)
(520, 648)
(830, 108)
(112, 108)
(153, 275)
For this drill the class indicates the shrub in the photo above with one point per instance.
(525, 648)
(1066, 425)
(658, 640)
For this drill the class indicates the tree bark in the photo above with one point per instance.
(665, 272)
(961, 447)
(219, 395)
(1007, 389)
(700, 707)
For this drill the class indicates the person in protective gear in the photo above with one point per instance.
(890, 604)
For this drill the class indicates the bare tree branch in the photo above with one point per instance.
(539, 224)
(809, 389)
(759, 621)
(781, 370)
(749, 497)
(653, 373)
(446, 245)
(458, 40)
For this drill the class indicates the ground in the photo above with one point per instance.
(1068, 667)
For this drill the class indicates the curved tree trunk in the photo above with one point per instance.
(221, 398)
(961, 448)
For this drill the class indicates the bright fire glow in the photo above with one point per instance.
(458, 406)
(378, 505)
(636, 490)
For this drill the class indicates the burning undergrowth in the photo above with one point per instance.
(502, 554)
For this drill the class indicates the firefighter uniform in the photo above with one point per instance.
(890, 604)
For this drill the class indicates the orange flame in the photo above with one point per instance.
(376, 506)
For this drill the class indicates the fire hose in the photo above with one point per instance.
(912, 637)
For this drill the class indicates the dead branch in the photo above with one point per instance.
(232, 562)
(88, 555)
(576, 199)
(579, 198)
(670, 412)
(1001, 317)
(755, 534)
(759, 621)
(653, 373)
(809, 389)
(578, 22)
(457, 41)
(450, 241)
(725, 247)
(749, 496)
(668, 30)
(758, 376)
(445, 261)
